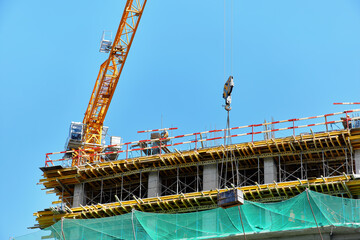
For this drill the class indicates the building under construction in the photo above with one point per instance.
(186, 173)
(296, 178)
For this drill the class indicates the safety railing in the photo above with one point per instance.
(194, 141)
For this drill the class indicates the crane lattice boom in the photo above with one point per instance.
(110, 71)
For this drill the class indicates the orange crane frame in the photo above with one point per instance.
(110, 72)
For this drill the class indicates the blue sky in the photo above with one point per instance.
(289, 59)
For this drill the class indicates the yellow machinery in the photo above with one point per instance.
(91, 132)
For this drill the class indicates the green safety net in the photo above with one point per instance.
(293, 214)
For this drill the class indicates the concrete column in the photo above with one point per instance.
(270, 175)
(209, 221)
(210, 177)
(79, 195)
(357, 161)
(270, 170)
(357, 166)
(154, 184)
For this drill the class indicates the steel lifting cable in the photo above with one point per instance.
(224, 39)
(233, 159)
(231, 37)
(228, 139)
(132, 222)
(307, 194)
(229, 142)
(242, 223)
(225, 157)
(62, 227)
(223, 179)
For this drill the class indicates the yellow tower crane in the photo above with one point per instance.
(90, 133)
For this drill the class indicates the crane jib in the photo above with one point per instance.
(110, 72)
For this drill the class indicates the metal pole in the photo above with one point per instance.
(306, 169)
(284, 172)
(62, 227)
(177, 181)
(140, 195)
(294, 128)
(242, 224)
(122, 186)
(132, 223)
(352, 162)
(307, 194)
(323, 163)
(301, 167)
(62, 199)
(101, 191)
(258, 170)
(346, 160)
(237, 173)
(197, 177)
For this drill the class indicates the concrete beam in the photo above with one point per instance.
(270, 170)
(210, 177)
(154, 184)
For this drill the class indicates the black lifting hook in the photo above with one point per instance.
(228, 87)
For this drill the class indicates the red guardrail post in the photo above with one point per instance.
(160, 147)
(127, 151)
(195, 141)
(293, 127)
(252, 133)
(327, 129)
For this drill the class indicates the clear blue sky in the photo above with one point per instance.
(289, 59)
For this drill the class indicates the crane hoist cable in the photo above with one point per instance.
(231, 20)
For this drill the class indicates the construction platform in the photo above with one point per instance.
(188, 178)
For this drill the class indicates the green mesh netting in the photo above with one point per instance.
(292, 214)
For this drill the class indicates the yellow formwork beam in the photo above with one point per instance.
(258, 192)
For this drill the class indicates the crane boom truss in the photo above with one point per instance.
(110, 72)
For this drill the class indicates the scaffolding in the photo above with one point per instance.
(318, 155)
(308, 210)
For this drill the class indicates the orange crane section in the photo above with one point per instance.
(110, 72)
